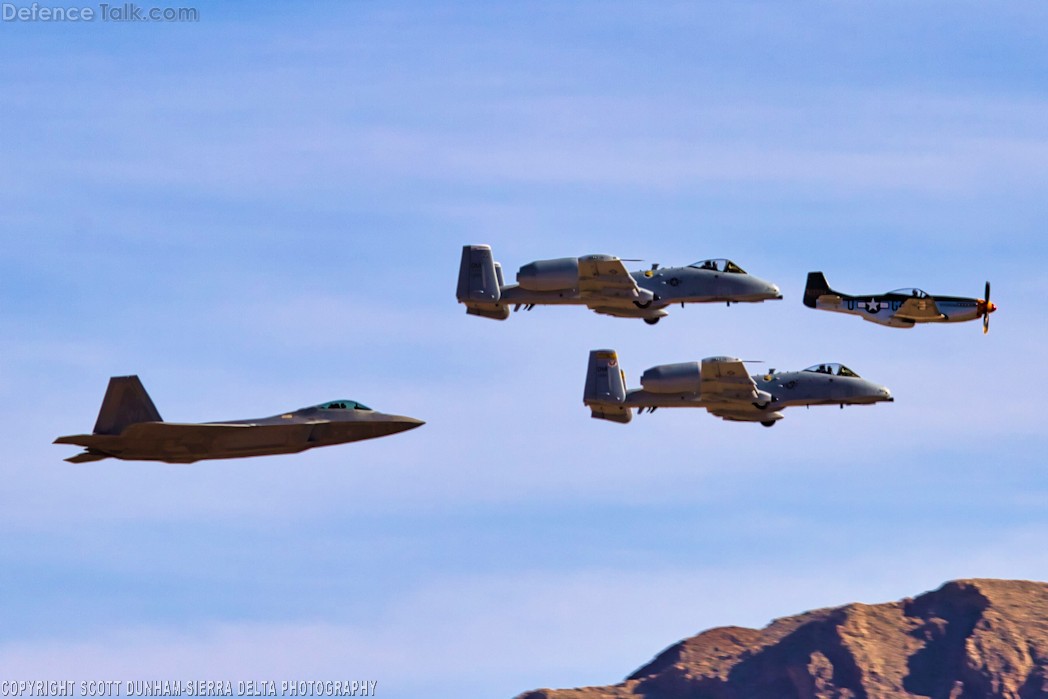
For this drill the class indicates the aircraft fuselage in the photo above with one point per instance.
(788, 389)
(669, 285)
(288, 433)
(882, 308)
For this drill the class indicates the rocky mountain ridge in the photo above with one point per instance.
(969, 639)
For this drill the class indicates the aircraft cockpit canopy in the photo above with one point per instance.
(913, 293)
(343, 405)
(832, 369)
(719, 265)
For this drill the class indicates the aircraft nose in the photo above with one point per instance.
(402, 423)
(886, 395)
(774, 290)
(984, 306)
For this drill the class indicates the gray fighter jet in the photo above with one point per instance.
(602, 284)
(722, 386)
(129, 427)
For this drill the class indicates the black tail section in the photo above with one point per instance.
(815, 288)
(126, 403)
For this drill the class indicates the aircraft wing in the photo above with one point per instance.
(605, 281)
(724, 386)
(919, 309)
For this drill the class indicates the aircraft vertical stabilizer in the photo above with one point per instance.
(815, 287)
(480, 283)
(126, 403)
(605, 392)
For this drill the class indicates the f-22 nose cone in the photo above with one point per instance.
(402, 423)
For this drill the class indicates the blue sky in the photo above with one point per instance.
(265, 209)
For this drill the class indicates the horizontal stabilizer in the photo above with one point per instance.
(493, 311)
(87, 456)
(80, 440)
(615, 413)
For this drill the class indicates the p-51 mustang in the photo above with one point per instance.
(722, 386)
(602, 284)
(902, 308)
(129, 427)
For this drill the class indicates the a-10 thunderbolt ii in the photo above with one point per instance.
(129, 427)
(902, 308)
(722, 386)
(602, 284)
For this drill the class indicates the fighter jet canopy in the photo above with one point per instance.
(343, 404)
(719, 265)
(833, 369)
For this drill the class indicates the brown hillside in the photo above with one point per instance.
(970, 639)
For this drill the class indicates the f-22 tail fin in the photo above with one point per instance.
(126, 403)
(480, 283)
(605, 392)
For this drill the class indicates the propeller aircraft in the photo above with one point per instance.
(902, 308)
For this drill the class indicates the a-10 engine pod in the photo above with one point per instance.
(672, 378)
(549, 275)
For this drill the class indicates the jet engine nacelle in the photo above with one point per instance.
(549, 275)
(672, 378)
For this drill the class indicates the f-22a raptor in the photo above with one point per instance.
(602, 284)
(722, 386)
(129, 427)
(902, 308)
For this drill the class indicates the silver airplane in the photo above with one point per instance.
(129, 427)
(902, 308)
(602, 284)
(722, 386)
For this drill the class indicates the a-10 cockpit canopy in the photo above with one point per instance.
(719, 265)
(343, 405)
(833, 369)
(912, 293)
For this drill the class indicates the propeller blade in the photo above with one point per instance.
(986, 309)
